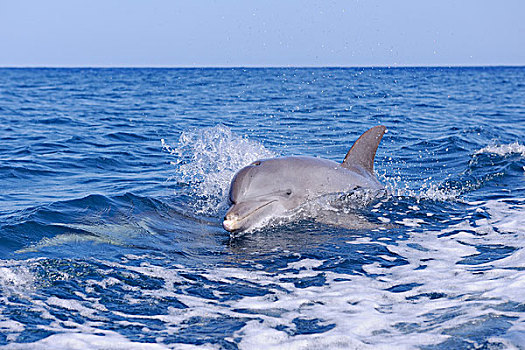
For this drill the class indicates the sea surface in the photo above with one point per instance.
(114, 183)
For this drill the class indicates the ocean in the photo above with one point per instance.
(114, 184)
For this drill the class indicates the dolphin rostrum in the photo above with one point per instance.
(270, 188)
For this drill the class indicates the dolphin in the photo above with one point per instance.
(271, 188)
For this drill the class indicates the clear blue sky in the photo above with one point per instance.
(261, 33)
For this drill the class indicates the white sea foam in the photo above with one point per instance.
(15, 277)
(208, 158)
(366, 313)
(410, 222)
(364, 310)
(504, 150)
(79, 341)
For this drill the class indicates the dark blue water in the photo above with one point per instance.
(113, 184)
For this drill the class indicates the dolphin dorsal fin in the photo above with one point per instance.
(364, 149)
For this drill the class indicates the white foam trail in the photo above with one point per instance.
(367, 314)
(79, 341)
(504, 150)
(362, 309)
(207, 158)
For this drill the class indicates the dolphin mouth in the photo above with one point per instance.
(233, 222)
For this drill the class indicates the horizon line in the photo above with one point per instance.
(260, 66)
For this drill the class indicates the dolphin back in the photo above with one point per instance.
(363, 151)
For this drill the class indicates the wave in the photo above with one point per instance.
(67, 227)
(504, 150)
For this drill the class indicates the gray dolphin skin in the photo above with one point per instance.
(269, 188)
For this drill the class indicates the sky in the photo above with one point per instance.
(231, 33)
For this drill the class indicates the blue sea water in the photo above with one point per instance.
(114, 182)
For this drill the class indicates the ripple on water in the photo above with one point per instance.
(112, 239)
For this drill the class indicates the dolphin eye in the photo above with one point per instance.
(288, 192)
(256, 163)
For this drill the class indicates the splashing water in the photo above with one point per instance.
(207, 159)
(428, 189)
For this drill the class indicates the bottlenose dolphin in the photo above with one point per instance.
(270, 188)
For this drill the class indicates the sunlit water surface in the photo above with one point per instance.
(113, 184)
